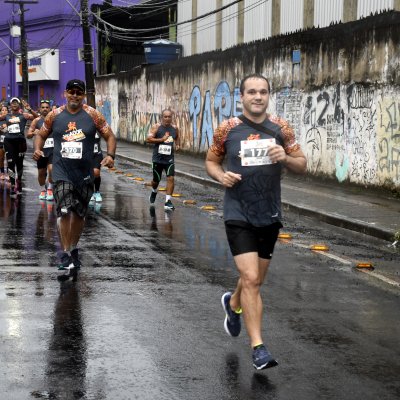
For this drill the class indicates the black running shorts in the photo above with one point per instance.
(43, 162)
(15, 148)
(72, 198)
(159, 168)
(97, 159)
(246, 238)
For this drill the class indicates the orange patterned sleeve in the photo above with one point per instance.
(98, 119)
(289, 139)
(220, 135)
(48, 122)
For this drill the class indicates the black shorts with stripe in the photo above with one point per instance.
(72, 198)
(159, 168)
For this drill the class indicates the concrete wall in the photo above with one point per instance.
(343, 98)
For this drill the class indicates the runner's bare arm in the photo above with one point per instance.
(41, 137)
(178, 139)
(32, 113)
(152, 133)
(215, 170)
(109, 137)
(32, 129)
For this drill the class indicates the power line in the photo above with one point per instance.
(166, 26)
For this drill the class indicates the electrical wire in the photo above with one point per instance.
(166, 26)
(187, 31)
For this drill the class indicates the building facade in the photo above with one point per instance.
(54, 37)
(246, 21)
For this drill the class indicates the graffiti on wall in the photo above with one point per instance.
(350, 132)
(389, 138)
(337, 130)
(207, 111)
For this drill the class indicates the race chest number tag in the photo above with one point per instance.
(255, 152)
(164, 149)
(14, 128)
(71, 150)
(48, 143)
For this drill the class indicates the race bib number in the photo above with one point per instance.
(72, 150)
(96, 148)
(255, 152)
(14, 128)
(1, 138)
(164, 149)
(48, 143)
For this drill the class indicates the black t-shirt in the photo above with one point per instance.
(16, 124)
(163, 153)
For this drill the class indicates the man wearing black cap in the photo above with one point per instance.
(74, 127)
(15, 142)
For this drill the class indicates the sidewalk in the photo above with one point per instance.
(359, 209)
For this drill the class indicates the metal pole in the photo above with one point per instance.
(87, 54)
(24, 56)
(24, 46)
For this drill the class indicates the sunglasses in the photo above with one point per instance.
(75, 92)
(45, 101)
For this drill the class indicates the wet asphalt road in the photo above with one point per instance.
(144, 321)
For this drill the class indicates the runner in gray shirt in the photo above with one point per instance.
(256, 147)
(74, 128)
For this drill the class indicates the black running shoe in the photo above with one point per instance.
(152, 197)
(262, 358)
(68, 266)
(232, 322)
(75, 258)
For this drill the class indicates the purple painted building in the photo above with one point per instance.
(54, 35)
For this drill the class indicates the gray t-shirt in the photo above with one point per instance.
(74, 139)
(256, 199)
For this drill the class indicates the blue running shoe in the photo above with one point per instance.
(262, 358)
(232, 322)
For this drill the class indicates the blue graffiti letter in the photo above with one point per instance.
(194, 108)
(206, 122)
(222, 102)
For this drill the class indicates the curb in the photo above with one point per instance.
(332, 219)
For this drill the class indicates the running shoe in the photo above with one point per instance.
(42, 195)
(169, 206)
(232, 322)
(65, 261)
(18, 186)
(75, 258)
(152, 197)
(262, 358)
(68, 266)
(50, 196)
(97, 197)
(13, 193)
(93, 198)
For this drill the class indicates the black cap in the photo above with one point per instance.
(76, 83)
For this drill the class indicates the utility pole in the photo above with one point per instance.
(23, 45)
(87, 54)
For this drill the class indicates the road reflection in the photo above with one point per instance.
(67, 355)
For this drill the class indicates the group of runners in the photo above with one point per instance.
(247, 157)
(68, 155)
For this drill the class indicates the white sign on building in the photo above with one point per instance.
(43, 65)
